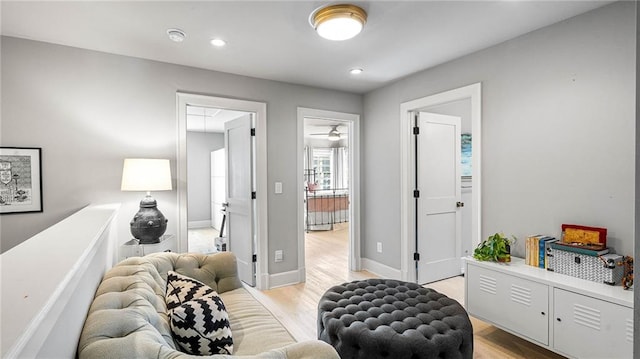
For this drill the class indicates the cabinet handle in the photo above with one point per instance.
(558, 319)
(543, 313)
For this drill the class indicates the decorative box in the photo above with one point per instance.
(591, 238)
(606, 268)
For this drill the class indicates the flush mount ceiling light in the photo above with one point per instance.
(338, 22)
(356, 71)
(176, 35)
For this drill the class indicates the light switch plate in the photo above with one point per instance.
(278, 187)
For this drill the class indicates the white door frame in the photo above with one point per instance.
(260, 109)
(407, 229)
(353, 122)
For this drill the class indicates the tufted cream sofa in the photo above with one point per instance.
(128, 316)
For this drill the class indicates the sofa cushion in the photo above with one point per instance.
(199, 320)
(254, 328)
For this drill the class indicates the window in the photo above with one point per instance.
(322, 164)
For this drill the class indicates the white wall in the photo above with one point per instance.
(557, 132)
(199, 147)
(461, 108)
(636, 289)
(88, 110)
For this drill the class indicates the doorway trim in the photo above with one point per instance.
(260, 109)
(474, 93)
(353, 121)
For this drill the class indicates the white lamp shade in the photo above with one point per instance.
(143, 174)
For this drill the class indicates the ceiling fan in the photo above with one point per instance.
(332, 135)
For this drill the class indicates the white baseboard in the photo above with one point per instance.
(380, 269)
(298, 276)
(286, 278)
(199, 224)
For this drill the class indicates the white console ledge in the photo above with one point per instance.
(49, 280)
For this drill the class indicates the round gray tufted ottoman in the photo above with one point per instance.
(382, 318)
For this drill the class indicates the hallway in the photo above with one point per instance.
(326, 265)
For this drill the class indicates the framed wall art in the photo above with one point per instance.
(466, 156)
(20, 180)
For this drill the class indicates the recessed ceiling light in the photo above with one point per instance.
(356, 71)
(218, 42)
(176, 35)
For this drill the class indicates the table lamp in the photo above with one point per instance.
(143, 174)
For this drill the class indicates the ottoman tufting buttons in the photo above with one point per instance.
(379, 318)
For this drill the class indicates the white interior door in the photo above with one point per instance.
(239, 188)
(439, 183)
(218, 192)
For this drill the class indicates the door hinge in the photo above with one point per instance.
(254, 258)
(416, 256)
(416, 193)
(416, 130)
(253, 195)
(459, 204)
(253, 132)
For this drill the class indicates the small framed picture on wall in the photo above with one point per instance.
(20, 180)
(466, 157)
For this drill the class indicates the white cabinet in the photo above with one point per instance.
(571, 316)
(586, 327)
(511, 302)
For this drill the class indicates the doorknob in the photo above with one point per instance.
(459, 204)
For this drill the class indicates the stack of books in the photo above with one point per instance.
(536, 248)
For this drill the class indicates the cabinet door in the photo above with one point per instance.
(585, 327)
(516, 304)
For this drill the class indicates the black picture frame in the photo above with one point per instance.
(20, 180)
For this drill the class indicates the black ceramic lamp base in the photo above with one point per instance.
(149, 224)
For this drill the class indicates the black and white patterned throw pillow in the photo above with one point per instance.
(199, 320)
(181, 289)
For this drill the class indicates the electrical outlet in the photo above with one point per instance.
(379, 247)
(279, 255)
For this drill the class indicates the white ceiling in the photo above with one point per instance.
(273, 39)
(212, 120)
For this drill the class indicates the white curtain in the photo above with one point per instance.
(340, 167)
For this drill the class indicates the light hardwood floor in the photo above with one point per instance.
(326, 260)
(202, 240)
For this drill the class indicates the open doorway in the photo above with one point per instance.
(206, 187)
(328, 192)
(243, 199)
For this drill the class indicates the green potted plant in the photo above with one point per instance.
(495, 248)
